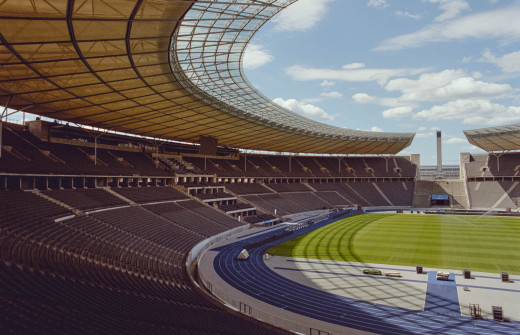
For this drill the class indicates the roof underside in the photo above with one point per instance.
(504, 138)
(131, 66)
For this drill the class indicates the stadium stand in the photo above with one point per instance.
(119, 271)
(150, 194)
(288, 187)
(182, 216)
(456, 190)
(249, 188)
(491, 194)
(307, 200)
(333, 198)
(492, 181)
(84, 199)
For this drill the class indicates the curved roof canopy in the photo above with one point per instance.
(169, 69)
(502, 138)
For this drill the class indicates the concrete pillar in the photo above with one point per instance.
(439, 152)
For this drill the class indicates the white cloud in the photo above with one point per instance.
(301, 15)
(499, 24)
(363, 98)
(398, 112)
(477, 74)
(353, 66)
(474, 111)
(255, 56)
(304, 109)
(407, 14)
(422, 128)
(327, 83)
(508, 63)
(451, 8)
(456, 140)
(446, 85)
(332, 95)
(377, 3)
(433, 87)
(303, 73)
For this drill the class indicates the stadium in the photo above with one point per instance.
(139, 202)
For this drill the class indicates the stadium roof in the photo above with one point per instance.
(169, 69)
(502, 138)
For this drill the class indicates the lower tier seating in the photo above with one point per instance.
(118, 271)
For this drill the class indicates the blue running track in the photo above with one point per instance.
(255, 279)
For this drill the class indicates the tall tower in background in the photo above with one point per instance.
(439, 152)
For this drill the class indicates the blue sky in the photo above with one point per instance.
(400, 66)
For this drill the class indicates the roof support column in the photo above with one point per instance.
(1, 128)
(4, 112)
(95, 149)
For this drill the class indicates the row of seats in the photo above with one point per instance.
(328, 195)
(485, 165)
(303, 166)
(117, 271)
(28, 154)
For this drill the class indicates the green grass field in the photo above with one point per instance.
(479, 243)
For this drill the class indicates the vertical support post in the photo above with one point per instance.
(156, 156)
(290, 165)
(498, 162)
(95, 150)
(339, 165)
(1, 129)
(205, 164)
(439, 152)
(1, 124)
(245, 163)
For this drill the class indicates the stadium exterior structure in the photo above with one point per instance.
(162, 69)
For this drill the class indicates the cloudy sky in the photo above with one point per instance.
(399, 66)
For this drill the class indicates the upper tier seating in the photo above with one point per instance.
(26, 157)
(28, 154)
(306, 166)
(484, 165)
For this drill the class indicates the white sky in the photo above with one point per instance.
(399, 66)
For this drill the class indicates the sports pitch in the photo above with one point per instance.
(479, 243)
